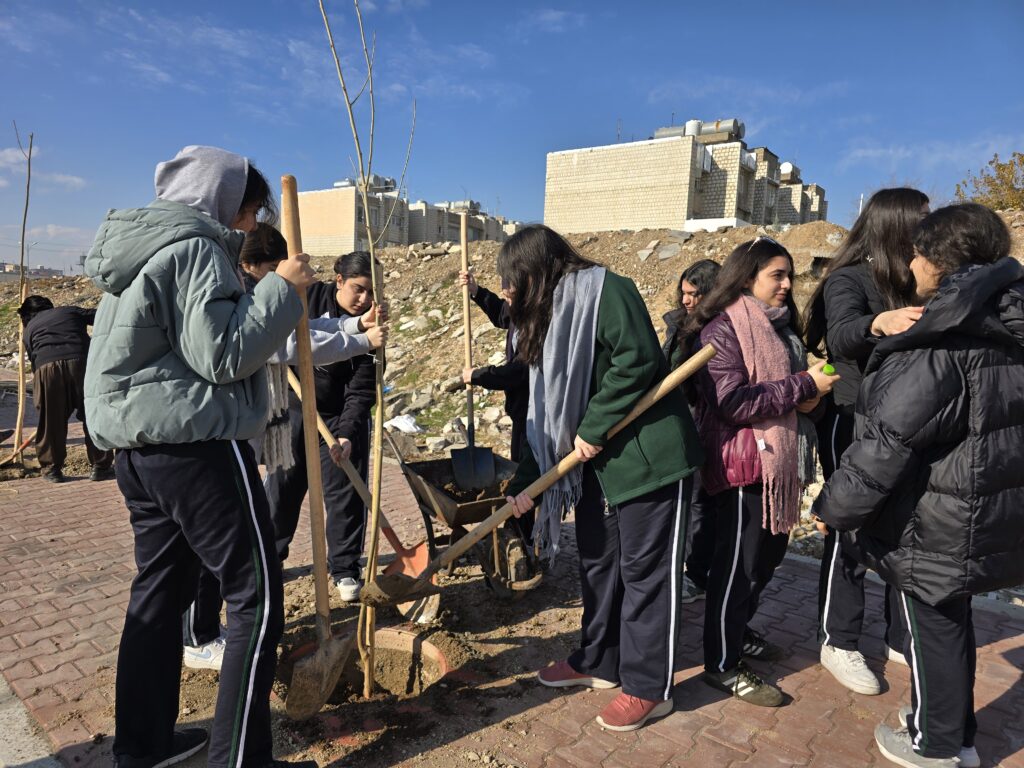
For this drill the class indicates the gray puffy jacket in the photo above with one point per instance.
(179, 349)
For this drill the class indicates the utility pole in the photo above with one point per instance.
(861, 206)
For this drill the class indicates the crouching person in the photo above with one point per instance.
(932, 489)
(176, 379)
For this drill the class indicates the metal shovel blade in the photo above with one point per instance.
(315, 677)
(473, 468)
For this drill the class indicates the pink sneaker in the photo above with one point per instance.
(627, 713)
(561, 675)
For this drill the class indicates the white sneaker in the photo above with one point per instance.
(848, 668)
(895, 656)
(969, 757)
(209, 656)
(348, 588)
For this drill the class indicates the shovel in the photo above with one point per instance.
(315, 676)
(409, 562)
(388, 590)
(473, 467)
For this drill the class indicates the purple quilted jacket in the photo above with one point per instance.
(728, 404)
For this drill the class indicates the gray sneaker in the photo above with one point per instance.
(895, 745)
(744, 685)
(849, 668)
(969, 757)
(691, 593)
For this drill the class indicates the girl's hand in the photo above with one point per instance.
(296, 271)
(584, 450)
(521, 504)
(896, 321)
(377, 336)
(822, 380)
(819, 524)
(341, 450)
(466, 278)
(467, 375)
(377, 314)
(808, 405)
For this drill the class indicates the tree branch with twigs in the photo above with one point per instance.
(19, 424)
(367, 614)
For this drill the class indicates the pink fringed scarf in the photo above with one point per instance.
(767, 359)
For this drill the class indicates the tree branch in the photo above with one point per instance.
(401, 181)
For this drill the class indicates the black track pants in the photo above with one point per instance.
(746, 556)
(192, 504)
(841, 577)
(200, 624)
(346, 512)
(942, 655)
(700, 535)
(631, 558)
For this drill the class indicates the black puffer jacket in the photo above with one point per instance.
(933, 486)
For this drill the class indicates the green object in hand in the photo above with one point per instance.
(828, 369)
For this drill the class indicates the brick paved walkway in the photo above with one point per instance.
(65, 567)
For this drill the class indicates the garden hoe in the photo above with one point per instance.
(316, 675)
(394, 588)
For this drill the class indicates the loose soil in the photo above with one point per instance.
(493, 649)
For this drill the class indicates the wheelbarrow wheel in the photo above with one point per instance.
(514, 564)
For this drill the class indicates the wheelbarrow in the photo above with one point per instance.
(508, 563)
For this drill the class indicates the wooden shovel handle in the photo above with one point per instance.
(317, 518)
(545, 481)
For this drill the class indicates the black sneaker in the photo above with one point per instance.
(756, 647)
(54, 476)
(691, 593)
(744, 685)
(101, 473)
(185, 743)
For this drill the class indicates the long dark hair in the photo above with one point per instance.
(701, 275)
(532, 262)
(739, 268)
(263, 244)
(882, 236)
(258, 192)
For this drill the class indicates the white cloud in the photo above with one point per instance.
(4, 182)
(744, 91)
(550, 21)
(13, 159)
(927, 156)
(63, 180)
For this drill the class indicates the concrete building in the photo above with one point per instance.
(333, 220)
(698, 176)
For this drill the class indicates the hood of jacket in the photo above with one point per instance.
(985, 301)
(129, 238)
(208, 179)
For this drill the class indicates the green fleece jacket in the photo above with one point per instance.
(179, 350)
(662, 445)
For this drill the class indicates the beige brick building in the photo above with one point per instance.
(333, 220)
(692, 177)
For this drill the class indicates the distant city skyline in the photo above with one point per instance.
(894, 93)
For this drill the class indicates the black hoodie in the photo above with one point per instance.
(933, 486)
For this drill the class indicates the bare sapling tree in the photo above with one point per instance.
(367, 614)
(19, 424)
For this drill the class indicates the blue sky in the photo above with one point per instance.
(858, 95)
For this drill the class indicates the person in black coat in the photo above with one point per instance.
(865, 296)
(57, 343)
(694, 284)
(932, 489)
(345, 395)
(511, 377)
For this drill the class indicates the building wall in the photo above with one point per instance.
(817, 208)
(789, 203)
(328, 219)
(766, 187)
(637, 185)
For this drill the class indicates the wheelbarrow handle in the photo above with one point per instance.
(545, 481)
